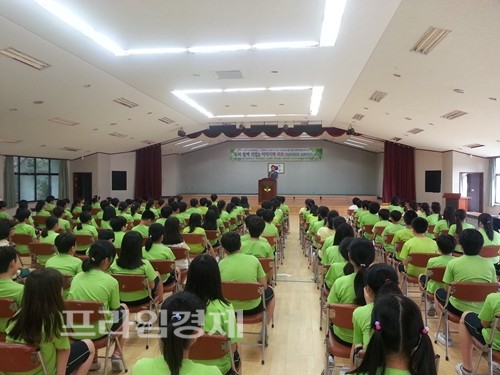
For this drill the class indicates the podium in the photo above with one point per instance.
(268, 189)
(456, 201)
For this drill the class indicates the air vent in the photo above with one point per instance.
(118, 135)
(9, 140)
(166, 120)
(453, 115)
(148, 142)
(61, 121)
(358, 117)
(377, 96)
(415, 130)
(127, 103)
(70, 149)
(24, 58)
(474, 145)
(395, 139)
(228, 74)
(431, 38)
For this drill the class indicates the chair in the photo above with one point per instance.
(244, 292)
(268, 267)
(281, 247)
(84, 239)
(21, 239)
(67, 279)
(213, 235)
(387, 240)
(416, 260)
(435, 274)
(89, 313)
(39, 221)
(21, 358)
(273, 243)
(209, 346)
(323, 295)
(166, 267)
(193, 239)
(180, 255)
(95, 211)
(430, 230)
(98, 222)
(487, 350)
(377, 232)
(8, 308)
(37, 249)
(339, 315)
(367, 229)
(443, 232)
(489, 251)
(465, 291)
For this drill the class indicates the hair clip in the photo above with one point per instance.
(362, 265)
(176, 318)
(425, 330)
(387, 281)
(92, 259)
(378, 326)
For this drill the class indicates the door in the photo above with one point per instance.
(82, 186)
(475, 191)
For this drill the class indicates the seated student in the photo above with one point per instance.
(143, 227)
(150, 206)
(404, 235)
(195, 228)
(66, 213)
(76, 207)
(9, 266)
(42, 299)
(204, 281)
(135, 208)
(180, 319)
(424, 210)
(477, 326)
(337, 221)
(48, 235)
(172, 237)
(364, 209)
(244, 203)
(155, 250)
(224, 216)
(449, 218)
(165, 213)
(435, 214)
(312, 215)
(328, 229)
(40, 209)
(420, 243)
(400, 344)
(490, 236)
(446, 244)
(395, 225)
(213, 199)
(183, 215)
(119, 225)
(239, 267)
(350, 288)
(283, 206)
(203, 207)
(256, 245)
(130, 262)
(95, 284)
(63, 223)
(22, 227)
(95, 201)
(6, 231)
(395, 205)
(86, 229)
(115, 202)
(232, 214)
(370, 218)
(269, 229)
(383, 215)
(108, 213)
(322, 213)
(470, 267)
(460, 224)
(339, 269)
(210, 223)
(123, 208)
(381, 280)
(4, 215)
(103, 204)
(331, 254)
(49, 203)
(106, 235)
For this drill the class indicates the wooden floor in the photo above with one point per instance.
(296, 345)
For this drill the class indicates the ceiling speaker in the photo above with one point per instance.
(181, 133)
(350, 131)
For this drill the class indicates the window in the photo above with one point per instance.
(496, 183)
(35, 178)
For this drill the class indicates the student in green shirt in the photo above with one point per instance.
(155, 250)
(339, 269)
(213, 199)
(203, 207)
(107, 214)
(48, 235)
(22, 227)
(210, 223)
(490, 236)
(331, 254)
(400, 344)
(122, 211)
(181, 320)
(449, 218)
(62, 203)
(49, 206)
(65, 262)
(392, 228)
(4, 215)
(165, 214)
(40, 209)
(383, 215)
(76, 207)
(256, 245)
(195, 228)
(63, 223)
(40, 322)
(459, 226)
(224, 216)
(9, 266)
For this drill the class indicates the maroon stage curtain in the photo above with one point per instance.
(399, 172)
(148, 172)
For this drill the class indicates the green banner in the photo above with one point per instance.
(276, 154)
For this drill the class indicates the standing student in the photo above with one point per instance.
(22, 227)
(9, 265)
(155, 250)
(400, 344)
(180, 318)
(43, 299)
(48, 235)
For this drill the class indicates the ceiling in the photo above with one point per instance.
(372, 53)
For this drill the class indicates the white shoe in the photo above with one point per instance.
(116, 364)
(496, 368)
(459, 369)
(442, 339)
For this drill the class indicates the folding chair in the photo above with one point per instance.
(213, 235)
(181, 254)
(193, 239)
(387, 240)
(339, 315)
(84, 240)
(245, 292)
(489, 251)
(166, 267)
(281, 238)
(415, 260)
(377, 231)
(465, 291)
(270, 270)
(430, 230)
(8, 308)
(85, 314)
(95, 211)
(323, 295)
(398, 246)
(208, 346)
(21, 358)
(435, 274)
(39, 221)
(273, 243)
(368, 229)
(21, 239)
(487, 350)
(38, 249)
(136, 283)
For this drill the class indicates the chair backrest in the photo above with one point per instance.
(95, 211)
(242, 291)
(163, 266)
(37, 248)
(212, 234)
(443, 232)
(378, 230)
(489, 251)
(192, 238)
(209, 346)
(67, 279)
(21, 239)
(388, 238)
(131, 283)
(436, 274)
(398, 246)
(84, 239)
(271, 240)
(39, 220)
(430, 229)
(340, 314)
(368, 229)
(226, 224)
(8, 308)
(98, 221)
(179, 252)
(267, 264)
(78, 313)
(20, 358)
(420, 259)
(471, 291)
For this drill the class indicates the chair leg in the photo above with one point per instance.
(117, 343)
(447, 335)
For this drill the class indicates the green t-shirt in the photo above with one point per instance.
(332, 255)
(158, 366)
(414, 245)
(66, 264)
(145, 269)
(96, 285)
(51, 237)
(490, 308)
(87, 230)
(271, 230)
(469, 268)
(118, 239)
(343, 292)
(4, 215)
(159, 252)
(392, 228)
(368, 219)
(239, 267)
(327, 243)
(432, 219)
(126, 216)
(440, 225)
(193, 210)
(494, 241)
(64, 225)
(402, 235)
(258, 248)
(440, 261)
(10, 289)
(361, 320)
(453, 232)
(382, 223)
(195, 248)
(335, 271)
(142, 229)
(24, 228)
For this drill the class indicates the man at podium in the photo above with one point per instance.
(273, 173)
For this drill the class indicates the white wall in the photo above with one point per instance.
(380, 174)
(170, 175)
(123, 162)
(468, 163)
(88, 164)
(427, 161)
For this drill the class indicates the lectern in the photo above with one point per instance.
(456, 201)
(268, 189)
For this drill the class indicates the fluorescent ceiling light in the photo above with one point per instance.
(246, 89)
(332, 18)
(202, 145)
(223, 48)
(263, 115)
(182, 142)
(228, 116)
(278, 45)
(192, 144)
(353, 144)
(354, 141)
(317, 94)
(202, 91)
(154, 51)
(191, 103)
(290, 88)
(24, 58)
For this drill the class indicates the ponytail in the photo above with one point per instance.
(50, 223)
(487, 222)
(359, 285)
(98, 252)
(362, 253)
(155, 232)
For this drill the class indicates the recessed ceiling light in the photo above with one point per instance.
(196, 75)
(253, 105)
(274, 71)
(430, 123)
(408, 118)
(38, 102)
(459, 91)
(87, 86)
(150, 113)
(13, 109)
(43, 145)
(492, 98)
(112, 123)
(397, 75)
